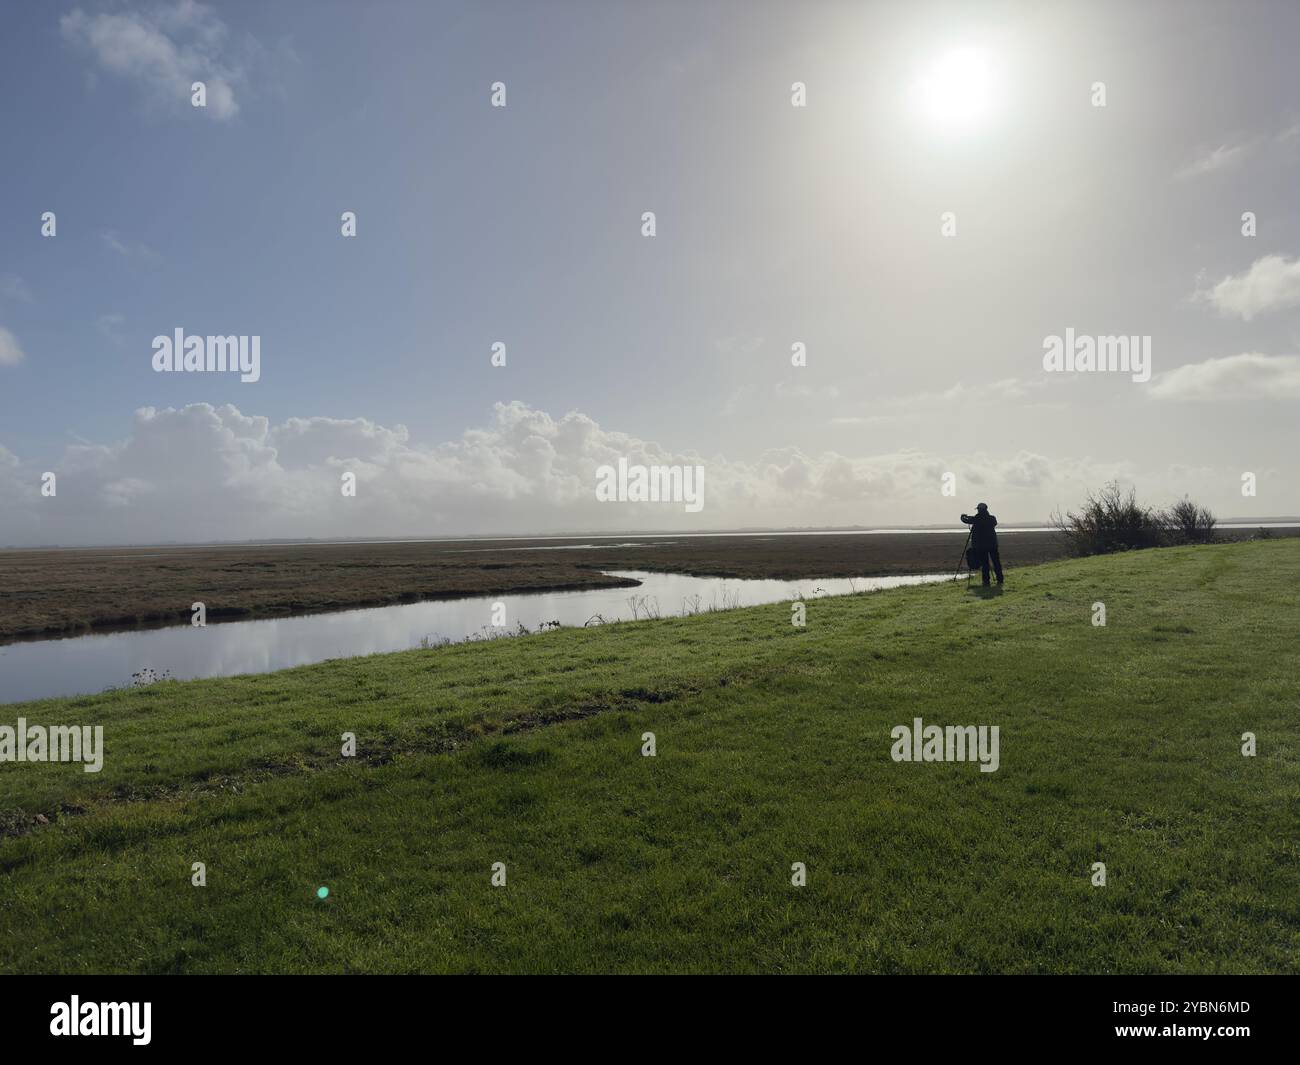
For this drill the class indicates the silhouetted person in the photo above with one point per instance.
(984, 541)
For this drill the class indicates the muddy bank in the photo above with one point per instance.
(75, 590)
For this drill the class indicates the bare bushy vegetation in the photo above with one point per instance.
(1113, 520)
(1186, 522)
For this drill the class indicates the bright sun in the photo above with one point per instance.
(957, 91)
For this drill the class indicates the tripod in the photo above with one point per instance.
(964, 558)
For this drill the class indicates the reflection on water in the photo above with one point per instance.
(83, 664)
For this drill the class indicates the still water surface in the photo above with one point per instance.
(84, 664)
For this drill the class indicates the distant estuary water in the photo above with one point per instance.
(85, 664)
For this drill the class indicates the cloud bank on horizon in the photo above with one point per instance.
(216, 473)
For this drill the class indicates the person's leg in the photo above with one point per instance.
(997, 564)
(984, 565)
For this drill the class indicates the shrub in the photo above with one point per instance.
(1113, 520)
(1108, 521)
(1186, 522)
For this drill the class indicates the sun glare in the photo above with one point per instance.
(956, 92)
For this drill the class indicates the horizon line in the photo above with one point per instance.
(1284, 521)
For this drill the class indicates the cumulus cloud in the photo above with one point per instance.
(215, 473)
(10, 353)
(1271, 284)
(1247, 376)
(164, 50)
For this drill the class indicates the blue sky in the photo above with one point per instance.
(522, 224)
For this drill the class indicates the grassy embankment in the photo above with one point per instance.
(1119, 744)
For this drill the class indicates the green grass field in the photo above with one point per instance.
(1119, 745)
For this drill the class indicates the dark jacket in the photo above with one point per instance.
(983, 529)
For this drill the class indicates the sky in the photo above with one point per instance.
(948, 190)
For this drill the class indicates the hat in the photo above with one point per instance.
(981, 506)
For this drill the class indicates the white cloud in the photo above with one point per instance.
(215, 473)
(10, 352)
(110, 327)
(1223, 157)
(13, 287)
(738, 345)
(130, 249)
(1234, 377)
(818, 393)
(164, 50)
(1272, 283)
(748, 399)
(1021, 391)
